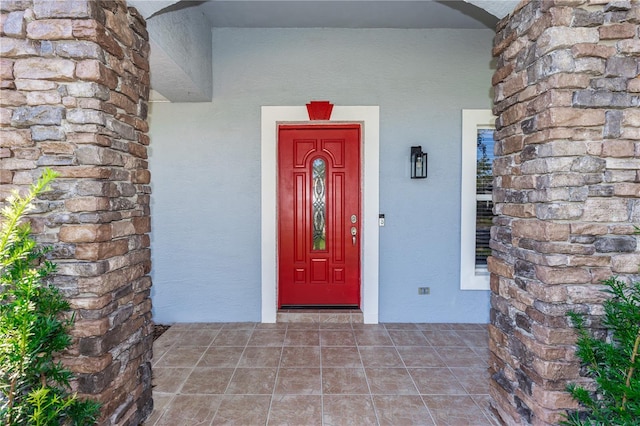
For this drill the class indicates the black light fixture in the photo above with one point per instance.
(418, 163)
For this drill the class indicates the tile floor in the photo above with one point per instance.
(321, 374)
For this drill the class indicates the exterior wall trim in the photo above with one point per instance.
(369, 116)
(472, 120)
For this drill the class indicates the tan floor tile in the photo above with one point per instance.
(400, 326)
(335, 326)
(484, 402)
(408, 338)
(337, 338)
(267, 338)
(341, 356)
(206, 326)
(344, 381)
(160, 402)
(305, 325)
(160, 347)
(365, 337)
(300, 356)
(298, 318)
(207, 381)
(181, 357)
(420, 356)
(294, 410)
(300, 381)
(443, 338)
(474, 380)
(238, 325)
(260, 357)
(232, 337)
(169, 379)
(271, 326)
(334, 311)
(192, 410)
(390, 381)
(177, 329)
(483, 352)
(348, 410)
(474, 338)
(196, 337)
(242, 410)
(252, 381)
(464, 326)
(335, 317)
(396, 410)
(357, 318)
(338, 364)
(302, 338)
(433, 326)
(368, 327)
(455, 410)
(436, 381)
(380, 356)
(460, 357)
(221, 356)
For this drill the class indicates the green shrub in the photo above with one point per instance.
(613, 362)
(34, 387)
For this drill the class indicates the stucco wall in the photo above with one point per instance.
(205, 164)
(181, 55)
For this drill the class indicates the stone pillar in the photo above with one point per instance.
(74, 91)
(567, 93)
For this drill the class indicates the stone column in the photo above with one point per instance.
(566, 194)
(74, 90)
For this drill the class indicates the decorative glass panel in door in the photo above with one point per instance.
(319, 204)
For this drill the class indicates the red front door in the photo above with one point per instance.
(319, 215)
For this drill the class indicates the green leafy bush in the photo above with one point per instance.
(34, 387)
(613, 362)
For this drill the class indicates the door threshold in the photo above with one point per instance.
(322, 315)
(340, 308)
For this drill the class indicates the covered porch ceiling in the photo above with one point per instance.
(180, 31)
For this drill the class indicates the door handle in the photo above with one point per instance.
(354, 232)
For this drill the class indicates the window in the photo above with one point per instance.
(476, 202)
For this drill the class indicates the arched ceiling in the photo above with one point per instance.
(497, 8)
(180, 31)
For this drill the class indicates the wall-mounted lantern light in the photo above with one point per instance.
(418, 163)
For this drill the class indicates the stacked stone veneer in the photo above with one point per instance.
(566, 194)
(74, 90)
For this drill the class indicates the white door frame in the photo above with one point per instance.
(369, 116)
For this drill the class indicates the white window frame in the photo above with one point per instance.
(471, 277)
